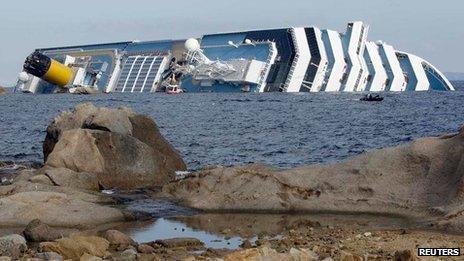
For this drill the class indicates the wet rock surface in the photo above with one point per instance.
(423, 179)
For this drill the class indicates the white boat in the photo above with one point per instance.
(174, 90)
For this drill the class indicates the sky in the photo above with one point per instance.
(433, 30)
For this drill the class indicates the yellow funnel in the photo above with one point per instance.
(58, 74)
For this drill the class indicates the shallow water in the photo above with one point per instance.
(230, 230)
(166, 229)
(284, 130)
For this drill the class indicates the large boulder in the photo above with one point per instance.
(55, 209)
(121, 148)
(423, 179)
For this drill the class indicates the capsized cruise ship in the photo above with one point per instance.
(299, 59)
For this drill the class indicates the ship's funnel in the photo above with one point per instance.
(48, 69)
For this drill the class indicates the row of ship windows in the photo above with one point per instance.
(139, 73)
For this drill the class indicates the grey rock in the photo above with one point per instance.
(37, 231)
(13, 246)
(49, 256)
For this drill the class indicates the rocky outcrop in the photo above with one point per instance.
(3, 91)
(121, 148)
(421, 179)
(56, 209)
(63, 200)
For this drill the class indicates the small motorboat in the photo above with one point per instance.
(370, 97)
(172, 85)
(173, 90)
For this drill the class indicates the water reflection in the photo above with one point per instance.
(230, 230)
(166, 229)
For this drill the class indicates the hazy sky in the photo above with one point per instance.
(433, 30)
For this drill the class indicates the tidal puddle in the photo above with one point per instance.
(231, 230)
(163, 219)
(165, 229)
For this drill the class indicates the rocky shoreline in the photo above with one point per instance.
(423, 180)
(298, 241)
(60, 212)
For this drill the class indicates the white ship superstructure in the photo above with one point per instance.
(315, 73)
(336, 62)
(377, 75)
(298, 59)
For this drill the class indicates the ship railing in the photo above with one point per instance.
(268, 63)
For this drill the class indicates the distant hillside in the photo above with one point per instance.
(455, 76)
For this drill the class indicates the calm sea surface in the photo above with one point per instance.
(284, 130)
